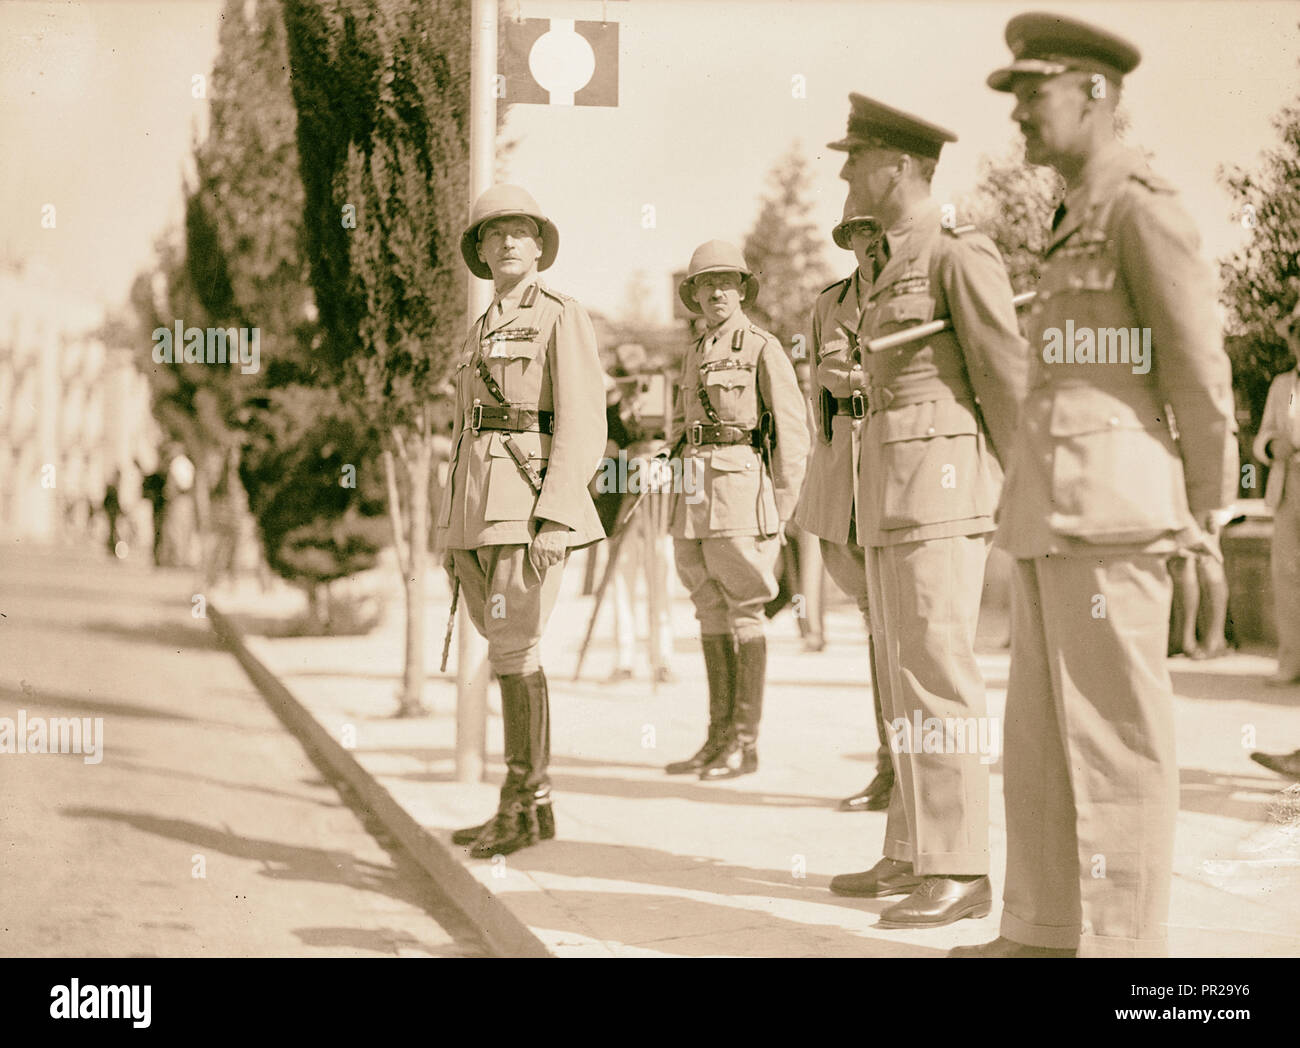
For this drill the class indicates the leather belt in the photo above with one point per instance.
(854, 405)
(698, 433)
(516, 420)
(883, 398)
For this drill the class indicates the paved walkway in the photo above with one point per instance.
(651, 865)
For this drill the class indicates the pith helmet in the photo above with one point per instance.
(717, 256)
(499, 202)
(853, 215)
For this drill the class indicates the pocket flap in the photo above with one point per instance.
(733, 458)
(1086, 409)
(731, 378)
(907, 309)
(936, 418)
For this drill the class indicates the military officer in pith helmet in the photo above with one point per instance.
(1099, 493)
(940, 410)
(529, 433)
(828, 503)
(741, 416)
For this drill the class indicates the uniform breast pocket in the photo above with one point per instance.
(933, 470)
(1116, 473)
(517, 367)
(731, 392)
(904, 311)
(510, 496)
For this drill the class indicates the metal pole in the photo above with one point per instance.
(471, 650)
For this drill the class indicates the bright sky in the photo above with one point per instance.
(96, 116)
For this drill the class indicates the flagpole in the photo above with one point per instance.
(471, 675)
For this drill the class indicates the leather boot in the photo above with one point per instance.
(878, 793)
(720, 668)
(740, 754)
(525, 710)
(545, 822)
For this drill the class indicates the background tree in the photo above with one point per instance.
(381, 89)
(1260, 281)
(785, 249)
(1013, 202)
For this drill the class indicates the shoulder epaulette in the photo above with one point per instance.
(1152, 181)
(960, 231)
(554, 294)
(766, 336)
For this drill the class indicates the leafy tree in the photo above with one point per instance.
(382, 94)
(1260, 281)
(1013, 203)
(785, 251)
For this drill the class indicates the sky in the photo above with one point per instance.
(97, 116)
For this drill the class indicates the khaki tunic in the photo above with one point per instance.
(1098, 491)
(830, 488)
(724, 530)
(542, 353)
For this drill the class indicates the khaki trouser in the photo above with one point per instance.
(1286, 573)
(729, 580)
(507, 603)
(1090, 778)
(847, 566)
(925, 603)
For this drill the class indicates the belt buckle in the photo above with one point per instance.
(695, 434)
(858, 403)
(476, 416)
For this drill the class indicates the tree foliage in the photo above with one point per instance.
(1260, 282)
(785, 249)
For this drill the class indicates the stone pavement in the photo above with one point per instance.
(651, 865)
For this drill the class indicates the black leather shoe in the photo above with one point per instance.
(509, 831)
(1287, 764)
(545, 827)
(720, 670)
(939, 901)
(734, 761)
(1001, 947)
(875, 797)
(887, 877)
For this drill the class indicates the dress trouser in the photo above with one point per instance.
(1091, 782)
(1286, 572)
(847, 566)
(925, 603)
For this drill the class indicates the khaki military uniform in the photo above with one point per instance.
(828, 502)
(940, 412)
(1098, 493)
(725, 535)
(1282, 417)
(540, 350)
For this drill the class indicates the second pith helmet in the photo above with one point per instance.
(499, 202)
(853, 215)
(717, 256)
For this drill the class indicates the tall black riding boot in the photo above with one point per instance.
(878, 792)
(740, 755)
(720, 667)
(524, 816)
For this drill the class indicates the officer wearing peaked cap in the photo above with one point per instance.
(827, 504)
(1099, 493)
(940, 412)
(741, 414)
(529, 433)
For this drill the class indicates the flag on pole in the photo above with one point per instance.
(561, 62)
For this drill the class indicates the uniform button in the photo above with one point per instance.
(930, 432)
(1076, 281)
(749, 465)
(1113, 420)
